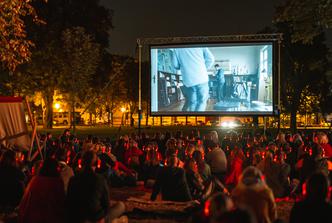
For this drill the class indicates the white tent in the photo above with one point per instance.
(13, 127)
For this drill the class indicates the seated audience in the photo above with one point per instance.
(132, 155)
(216, 206)
(237, 216)
(271, 171)
(151, 164)
(194, 180)
(315, 207)
(217, 160)
(88, 197)
(66, 172)
(44, 198)
(312, 162)
(253, 193)
(171, 182)
(323, 140)
(11, 183)
(203, 168)
(284, 175)
(235, 162)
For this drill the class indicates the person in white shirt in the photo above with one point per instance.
(193, 64)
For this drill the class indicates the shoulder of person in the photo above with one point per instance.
(267, 193)
(179, 170)
(18, 173)
(237, 191)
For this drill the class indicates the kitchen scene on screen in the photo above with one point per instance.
(213, 79)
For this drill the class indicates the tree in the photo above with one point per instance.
(114, 93)
(81, 56)
(42, 74)
(15, 47)
(326, 92)
(44, 71)
(307, 18)
(304, 69)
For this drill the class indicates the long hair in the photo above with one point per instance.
(236, 152)
(322, 138)
(252, 176)
(268, 162)
(198, 157)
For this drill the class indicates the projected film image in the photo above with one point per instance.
(212, 78)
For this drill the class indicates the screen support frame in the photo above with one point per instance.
(274, 37)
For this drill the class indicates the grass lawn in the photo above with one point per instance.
(114, 132)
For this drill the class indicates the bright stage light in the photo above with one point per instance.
(56, 105)
(229, 124)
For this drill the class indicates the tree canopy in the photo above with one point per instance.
(307, 18)
(15, 47)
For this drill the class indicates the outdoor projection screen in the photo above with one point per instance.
(213, 78)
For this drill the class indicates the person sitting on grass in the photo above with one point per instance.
(171, 182)
(44, 198)
(12, 181)
(88, 197)
(253, 193)
(315, 206)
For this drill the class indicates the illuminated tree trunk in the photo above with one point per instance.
(293, 120)
(147, 114)
(73, 120)
(48, 97)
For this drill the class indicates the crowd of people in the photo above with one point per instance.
(238, 177)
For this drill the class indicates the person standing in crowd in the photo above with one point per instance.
(220, 82)
(315, 206)
(11, 183)
(44, 198)
(194, 63)
(253, 193)
(88, 195)
(171, 182)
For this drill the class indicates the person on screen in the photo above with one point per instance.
(184, 90)
(221, 82)
(193, 64)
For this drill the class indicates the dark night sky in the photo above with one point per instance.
(134, 19)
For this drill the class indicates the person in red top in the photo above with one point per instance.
(324, 142)
(132, 154)
(44, 198)
(236, 160)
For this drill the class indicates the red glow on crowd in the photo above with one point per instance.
(98, 163)
(304, 189)
(80, 163)
(207, 208)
